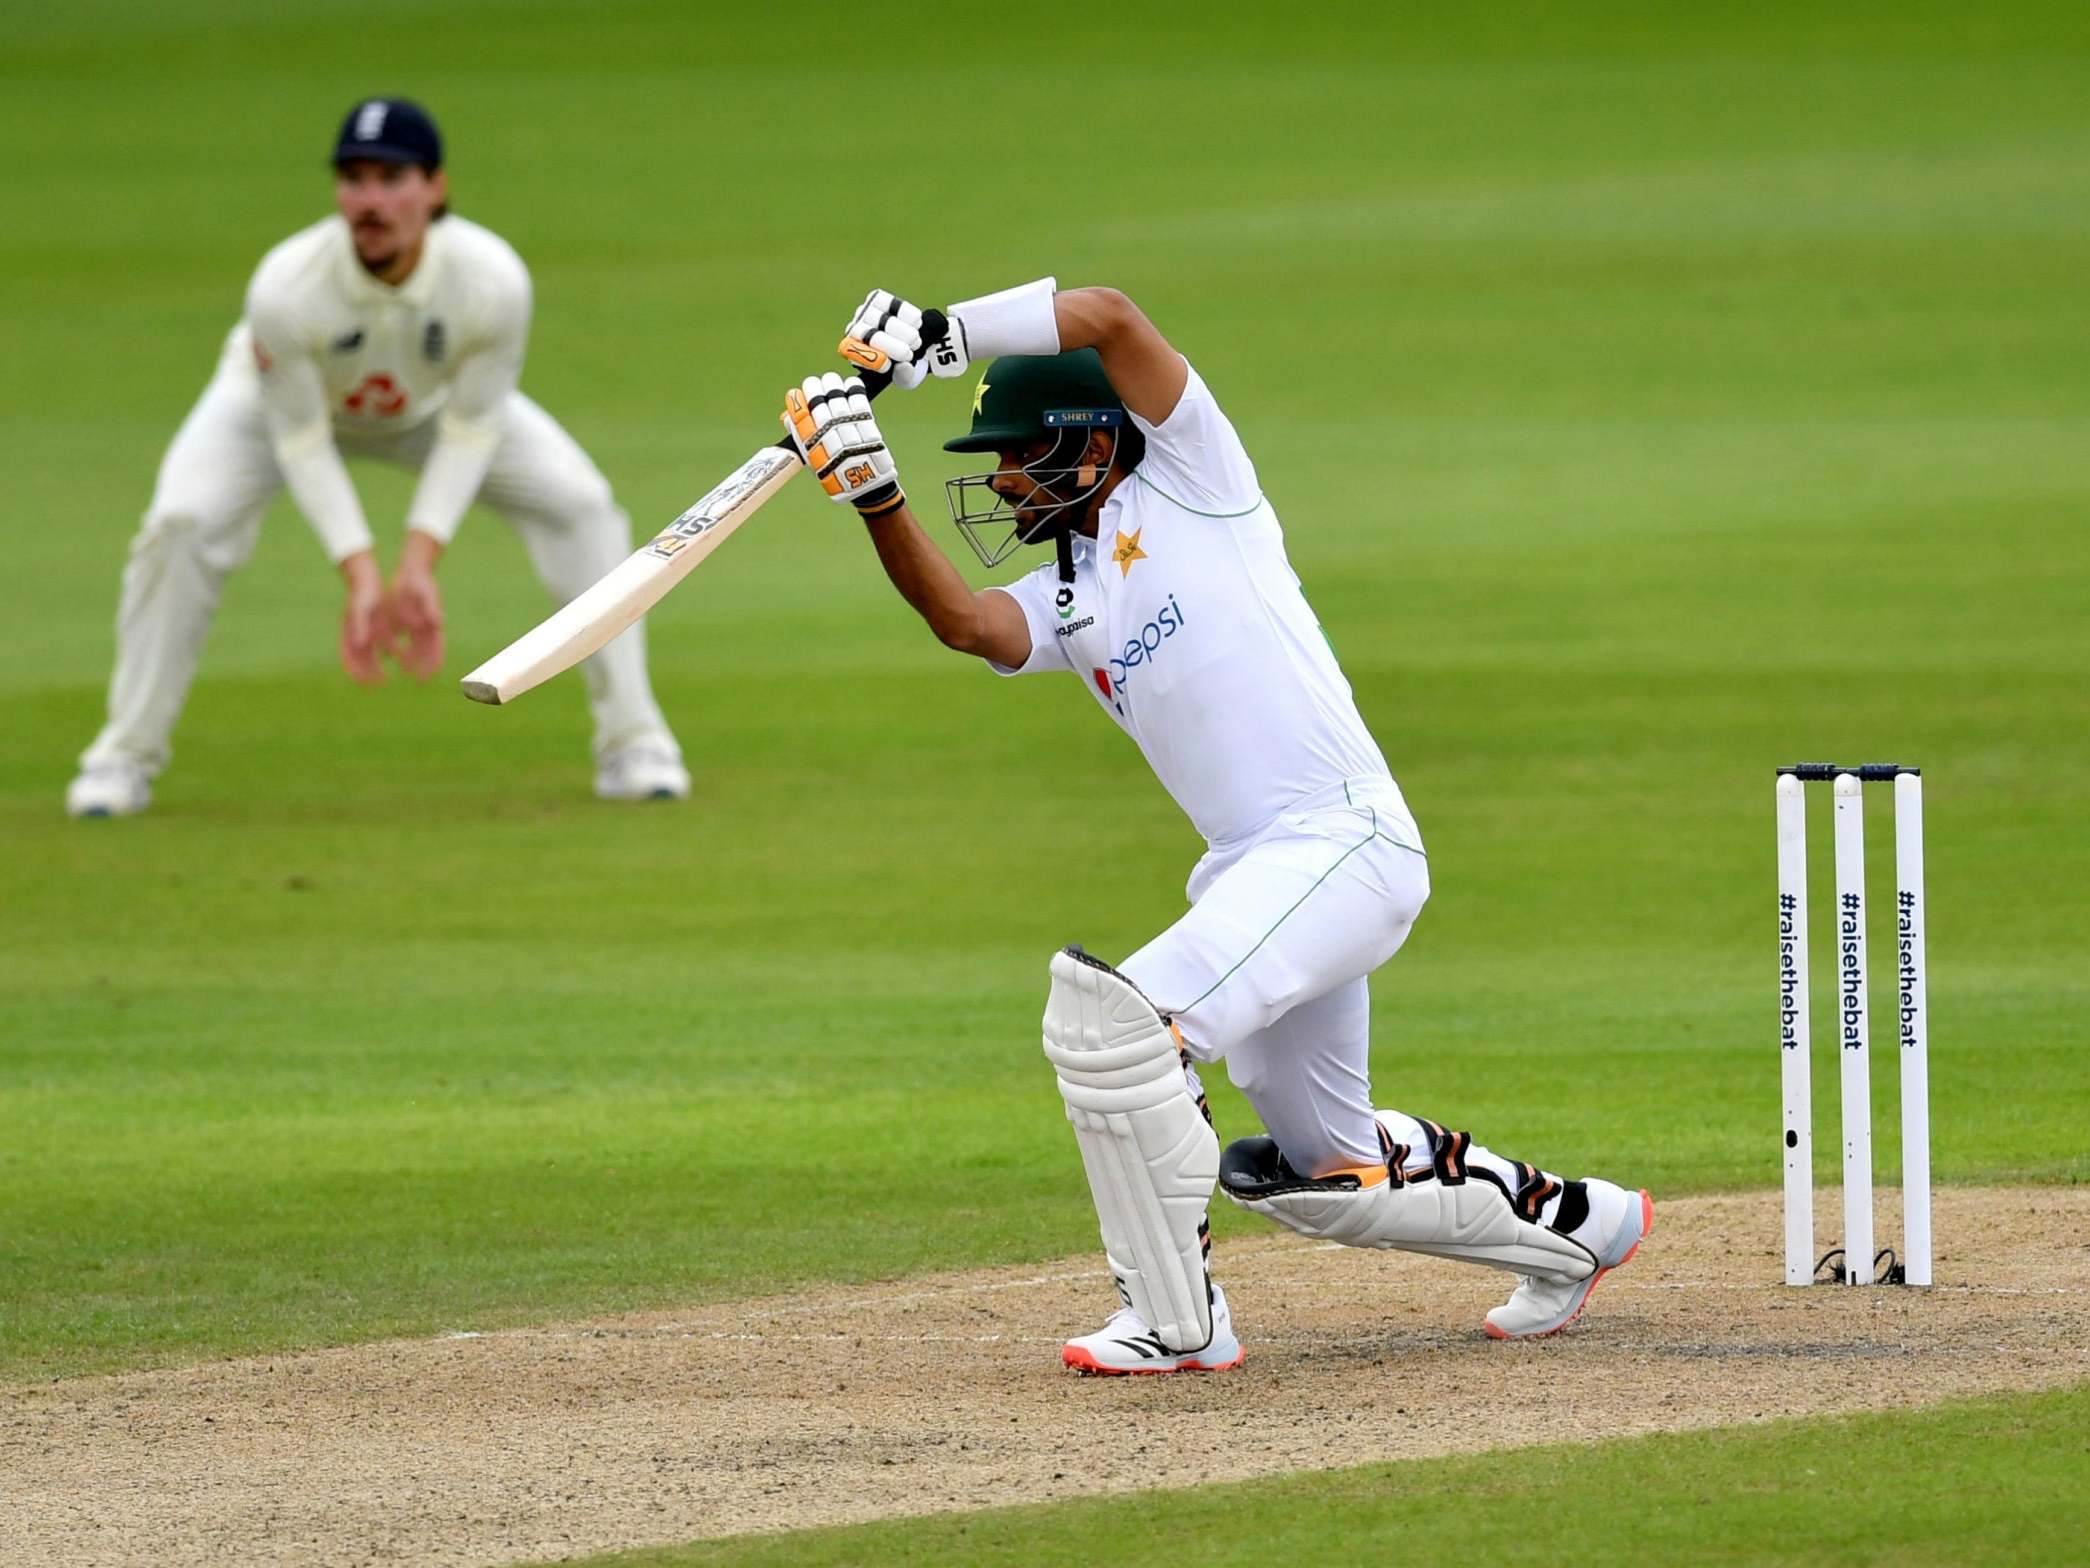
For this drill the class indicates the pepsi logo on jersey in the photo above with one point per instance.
(1143, 648)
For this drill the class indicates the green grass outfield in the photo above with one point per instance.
(1650, 399)
(1975, 1481)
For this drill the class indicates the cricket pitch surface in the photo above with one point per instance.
(945, 1392)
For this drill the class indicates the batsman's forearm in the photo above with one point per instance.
(1091, 317)
(1145, 371)
(926, 578)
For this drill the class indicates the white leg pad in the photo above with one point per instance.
(1470, 1219)
(1150, 1155)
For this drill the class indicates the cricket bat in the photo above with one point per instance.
(629, 590)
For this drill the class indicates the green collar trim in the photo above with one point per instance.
(1255, 505)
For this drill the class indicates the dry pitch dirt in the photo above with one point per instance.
(945, 1393)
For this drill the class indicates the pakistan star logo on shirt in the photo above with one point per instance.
(1128, 551)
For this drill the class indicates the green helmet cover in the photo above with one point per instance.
(1021, 397)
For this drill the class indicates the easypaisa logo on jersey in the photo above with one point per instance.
(1063, 607)
(1142, 649)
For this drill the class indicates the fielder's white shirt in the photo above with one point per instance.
(340, 353)
(1187, 624)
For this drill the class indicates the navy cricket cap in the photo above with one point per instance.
(390, 130)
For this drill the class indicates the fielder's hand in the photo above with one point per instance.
(893, 327)
(829, 423)
(415, 613)
(365, 620)
(414, 608)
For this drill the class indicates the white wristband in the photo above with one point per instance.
(1015, 321)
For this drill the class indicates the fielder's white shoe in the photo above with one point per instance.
(649, 768)
(108, 789)
(1620, 1221)
(1125, 1344)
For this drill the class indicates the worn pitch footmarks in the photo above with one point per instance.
(848, 1402)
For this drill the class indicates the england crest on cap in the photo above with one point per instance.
(389, 130)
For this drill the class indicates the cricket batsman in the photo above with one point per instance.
(390, 330)
(1170, 599)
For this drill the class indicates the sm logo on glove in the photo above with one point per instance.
(858, 475)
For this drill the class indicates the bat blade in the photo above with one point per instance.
(629, 590)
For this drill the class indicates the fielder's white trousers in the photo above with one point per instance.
(1268, 968)
(219, 476)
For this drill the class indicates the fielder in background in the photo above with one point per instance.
(396, 331)
(1170, 598)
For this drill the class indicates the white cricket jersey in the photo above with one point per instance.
(1187, 624)
(342, 354)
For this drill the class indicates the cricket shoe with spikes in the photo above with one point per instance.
(1618, 1222)
(109, 789)
(648, 768)
(1126, 1345)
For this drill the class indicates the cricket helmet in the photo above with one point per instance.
(1021, 399)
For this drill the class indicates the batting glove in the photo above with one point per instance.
(829, 423)
(893, 327)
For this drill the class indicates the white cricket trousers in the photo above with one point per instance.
(219, 476)
(1267, 970)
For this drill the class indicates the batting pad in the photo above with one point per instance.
(1150, 1155)
(1470, 1219)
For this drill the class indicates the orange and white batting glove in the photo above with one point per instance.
(829, 423)
(893, 327)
